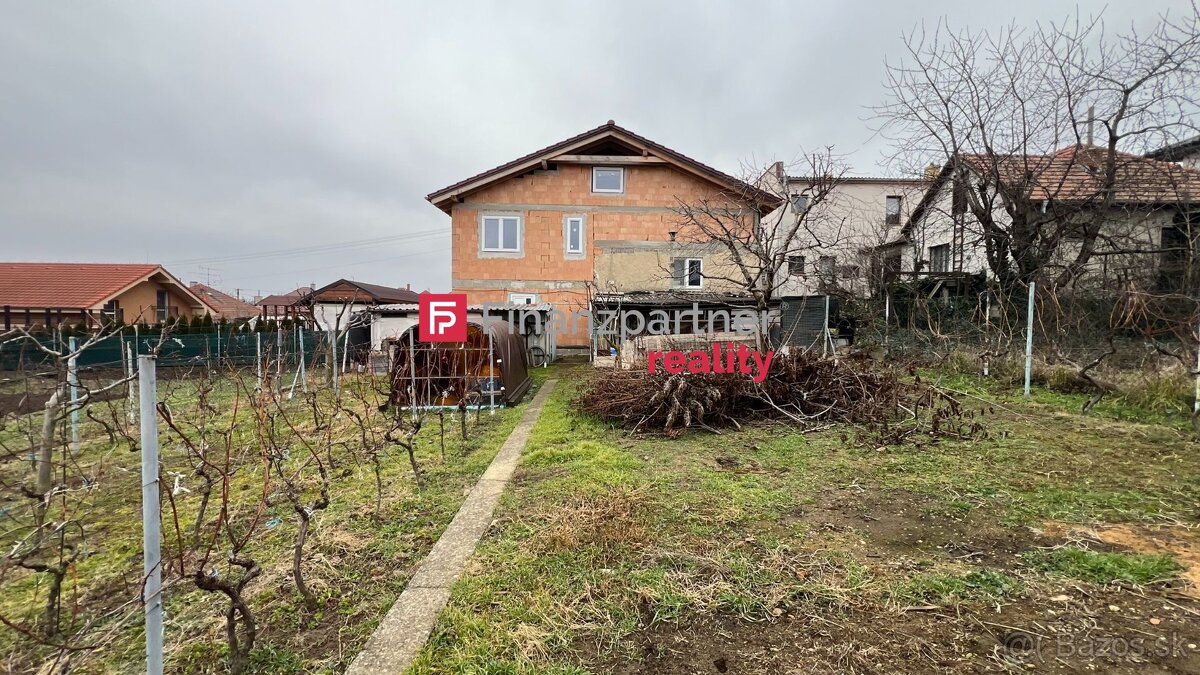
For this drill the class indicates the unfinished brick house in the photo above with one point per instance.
(592, 218)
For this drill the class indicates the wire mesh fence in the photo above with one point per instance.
(1104, 342)
(256, 436)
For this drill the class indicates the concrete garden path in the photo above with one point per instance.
(407, 625)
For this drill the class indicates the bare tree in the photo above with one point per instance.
(1034, 128)
(755, 249)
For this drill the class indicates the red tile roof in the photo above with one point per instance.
(1076, 173)
(224, 306)
(610, 128)
(67, 285)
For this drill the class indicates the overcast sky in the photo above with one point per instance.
(192, 135)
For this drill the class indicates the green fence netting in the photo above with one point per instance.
(226, 347)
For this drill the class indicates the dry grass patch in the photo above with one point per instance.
(609, 522)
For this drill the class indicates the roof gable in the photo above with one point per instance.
(607, 140)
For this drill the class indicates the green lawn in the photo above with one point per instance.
(770, 550)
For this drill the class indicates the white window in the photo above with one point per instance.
(939, 258)
(523, 298)
(795, 265)
(573, 235)
(892, 208)
(689, 272)
(608, 179)
(826, 267)
(501, 233)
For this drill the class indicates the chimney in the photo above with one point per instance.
(1091, 124)
(408, 286)
(777, 169)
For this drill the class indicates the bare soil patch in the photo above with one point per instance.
(1081, 634)
(1059, 626)
(900, 521)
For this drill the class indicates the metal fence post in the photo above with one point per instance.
(73, 381)
(129, 364)
(151, 545)
(987, 330)
(825, 329)
(346, 349)
(887, 317)
(491, 374)
(303, 374)
(1196, 402)
(258, 360)
(278, 361)
(333, 361)
(1029, 339)
(412, 370)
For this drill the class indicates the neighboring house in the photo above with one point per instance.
(834, 249)
(594, 213)
(1148, 238)
(224, 305)
(1186, 153)
(283, 305)
(333, 306)
(94, 294)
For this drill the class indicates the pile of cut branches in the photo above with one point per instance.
(802, 388)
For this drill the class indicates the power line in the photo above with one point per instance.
(349, 264)
(319, 249)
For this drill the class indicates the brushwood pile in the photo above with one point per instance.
(802, 389)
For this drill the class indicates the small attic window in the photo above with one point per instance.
(609, 179)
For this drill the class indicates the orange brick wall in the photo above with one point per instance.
(642, 213)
